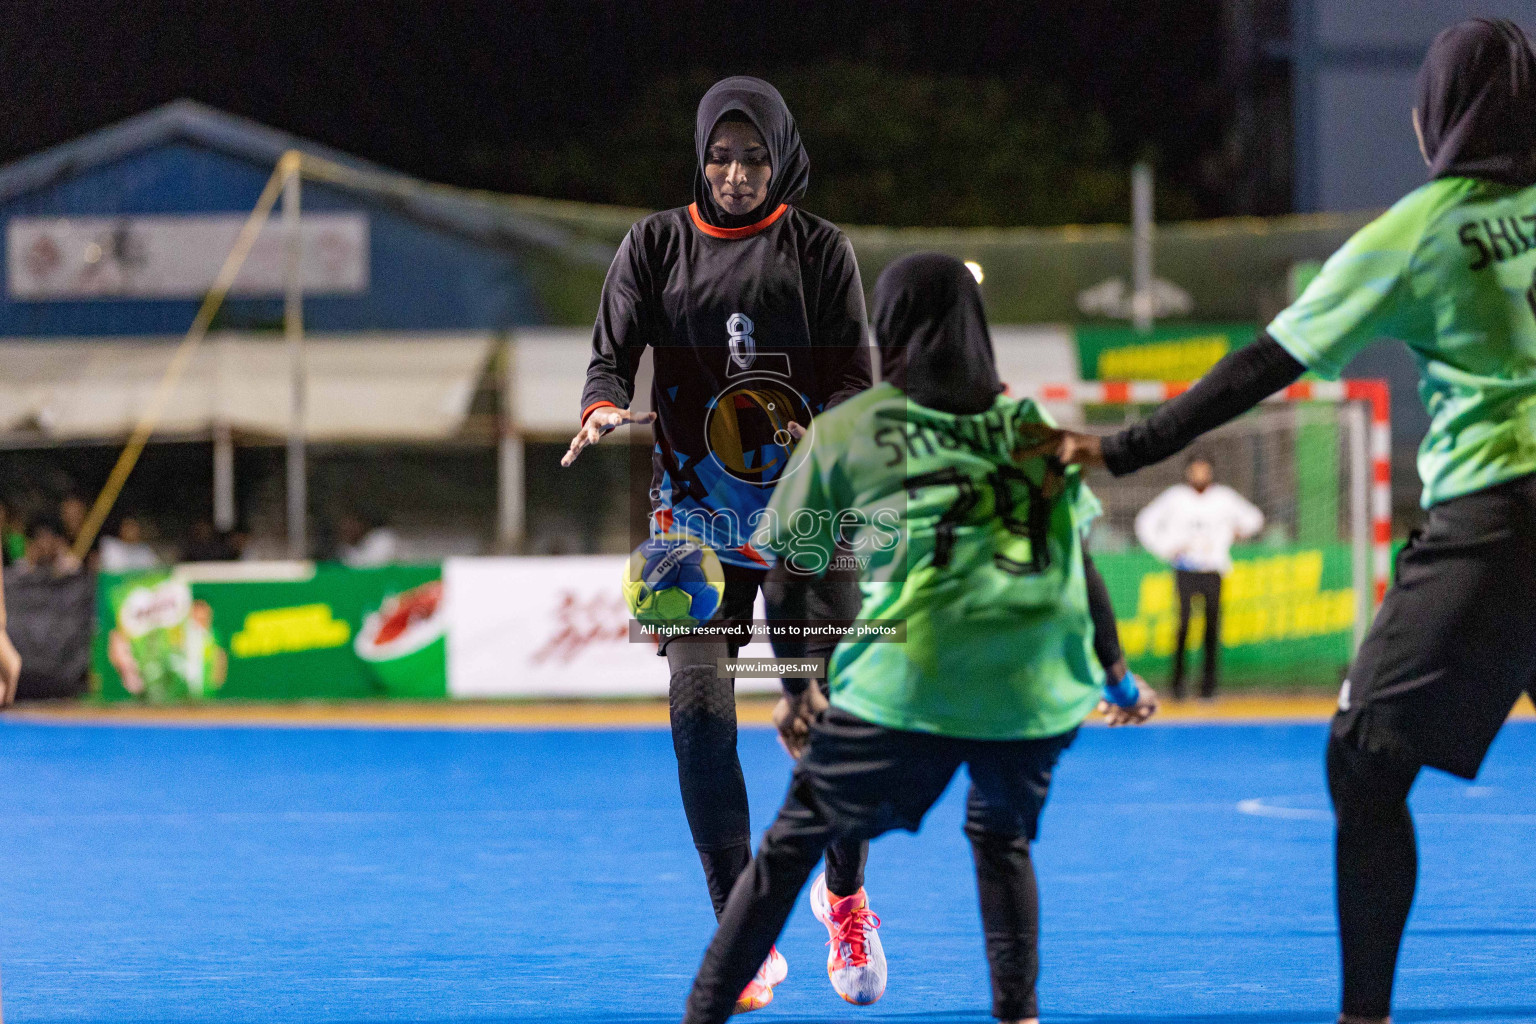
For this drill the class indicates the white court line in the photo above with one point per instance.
(1258, 808)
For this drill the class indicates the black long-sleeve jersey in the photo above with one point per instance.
(752, 328)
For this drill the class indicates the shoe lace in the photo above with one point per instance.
(850, 931)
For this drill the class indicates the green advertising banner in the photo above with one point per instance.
(331, 633)
(1287, 617)
(1175, 353)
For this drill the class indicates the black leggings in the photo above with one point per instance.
(859, 780)
(703, 714)
(1376, 865)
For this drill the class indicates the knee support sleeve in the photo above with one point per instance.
(703, 713)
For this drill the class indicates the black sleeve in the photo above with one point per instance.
(841, 334)
(622, 330)
(1106, 635)
(1239, 382)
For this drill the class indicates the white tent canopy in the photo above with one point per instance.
(362, 387)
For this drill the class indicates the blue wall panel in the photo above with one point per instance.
(421, 277)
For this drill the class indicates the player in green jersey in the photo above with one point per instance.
(1451, 271)
(980, 558)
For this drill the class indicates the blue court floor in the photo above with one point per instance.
(152, 874)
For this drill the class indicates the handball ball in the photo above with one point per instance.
(673, 579)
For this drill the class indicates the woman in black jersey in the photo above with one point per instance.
(755, 312)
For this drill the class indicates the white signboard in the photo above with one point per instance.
(176, 257)
(549, 627)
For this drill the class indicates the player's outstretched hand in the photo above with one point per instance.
(1137, 714)
(10, 669)
(599, 423)
(1068, 446)
(793, 717)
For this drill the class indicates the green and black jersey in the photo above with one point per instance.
(981, 558)
(1451, 271)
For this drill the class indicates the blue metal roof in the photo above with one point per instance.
(440, 258)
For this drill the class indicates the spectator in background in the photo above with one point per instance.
(365, 540)
(50, 615)
(72, 515)
(1191, 526)
(13, 542)
(127, 552)
(48, 552)
(206, 544)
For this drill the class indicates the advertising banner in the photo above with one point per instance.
(558, 628)
(1173, 353)
(177, 256)
(551, 627)
(324, 632)
(1287, 616)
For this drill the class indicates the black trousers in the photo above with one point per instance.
(1207, 585)
(703, 717)
(859, 780)
(1447, 657)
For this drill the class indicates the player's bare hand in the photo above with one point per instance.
(1067, 446)
(599, 423)
(796, 431)
(1137, 714)
(793, 717)
(10, 670)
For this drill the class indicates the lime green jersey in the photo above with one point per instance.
(980, 557)
(1449, 270)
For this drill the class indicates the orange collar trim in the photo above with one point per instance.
(742, 232)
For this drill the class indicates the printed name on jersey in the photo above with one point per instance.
(1496, 239)
(984, 433)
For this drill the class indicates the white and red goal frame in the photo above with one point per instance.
(1370, 453)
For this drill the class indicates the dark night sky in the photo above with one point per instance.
(419, 86)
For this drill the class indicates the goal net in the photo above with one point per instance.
(1315, 460)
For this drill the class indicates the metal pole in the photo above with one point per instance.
(223, 440)
(223, 477)
(1359, 517)
(293, 331)
(1142, 302)
(512, 499)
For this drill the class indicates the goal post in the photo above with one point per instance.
(1316, 459)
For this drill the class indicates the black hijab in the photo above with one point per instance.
(760, 103)
(1477, 103)
(932, 334)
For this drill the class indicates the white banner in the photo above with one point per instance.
(550, 627)
(177, 257)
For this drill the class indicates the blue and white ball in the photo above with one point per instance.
(673, 579)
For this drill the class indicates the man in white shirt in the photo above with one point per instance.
(1191, 526)
(127, 552)
(365, 542)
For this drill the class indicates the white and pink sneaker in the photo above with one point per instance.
(759, 991)
(856, 962)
